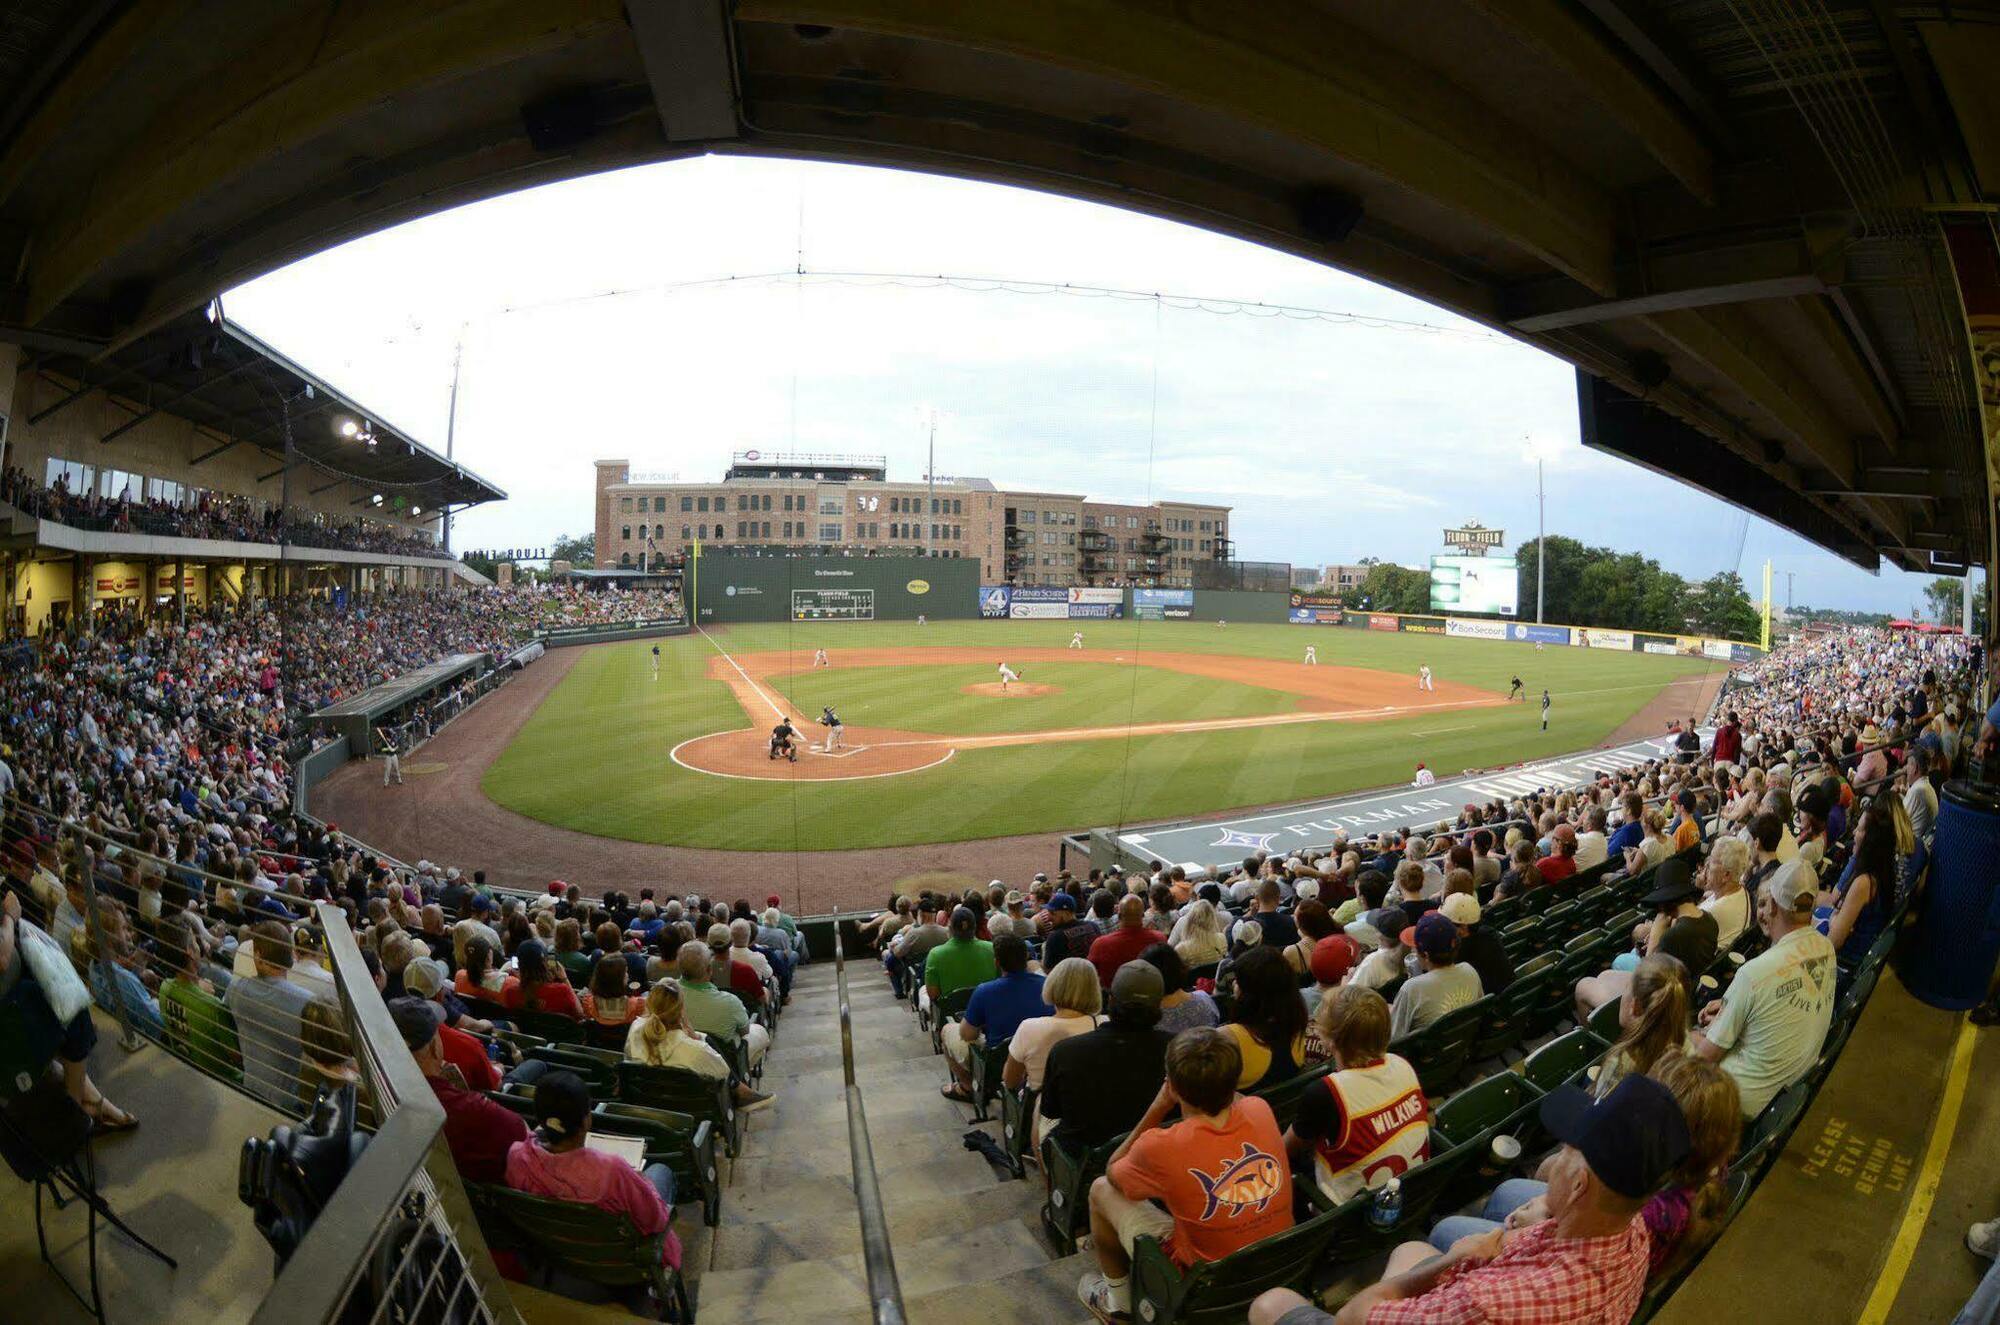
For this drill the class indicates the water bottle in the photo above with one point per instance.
(1387, 1210)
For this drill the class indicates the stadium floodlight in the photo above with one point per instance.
(376, 499)
(349, 428)
(416, 510)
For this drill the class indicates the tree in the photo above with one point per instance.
(580, 553)
(1720, 606)
(1946, 599)
(1392, 588)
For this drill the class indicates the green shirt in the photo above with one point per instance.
(713, 1011)
(959, 964)
(200, 1028)
(579, 964)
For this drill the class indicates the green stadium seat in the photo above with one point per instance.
(1561, 923)
(1066, 1214)
(1523, 938)
(1526, 1001)
(988, 1062)
(947, 1006)
(1540, 900)
(1621, 925)
(600, 1035)
(1213, 1292)
(1017, 1127)
(1604, 1022)
(551, 1026)
(1474, 1115)
(680, 1091)
(1765, 1137)
(1502, 913)
(1422, 1187)
(1439, 1051)
(685, 1145)
(1284, 1096)
(597, 1067)
(1562, 1060)
(594, 1245)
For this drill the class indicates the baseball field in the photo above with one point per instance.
(1148, 720)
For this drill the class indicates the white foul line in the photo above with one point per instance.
(775, 710)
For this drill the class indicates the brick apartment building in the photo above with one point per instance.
(849, 504)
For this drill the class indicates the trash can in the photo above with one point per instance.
(1958, 930)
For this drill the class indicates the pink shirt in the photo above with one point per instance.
(591, 1177)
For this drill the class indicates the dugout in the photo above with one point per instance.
(729, 588)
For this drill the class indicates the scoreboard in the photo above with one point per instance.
(833, 604)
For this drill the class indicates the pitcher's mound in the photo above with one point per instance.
(1018, 690)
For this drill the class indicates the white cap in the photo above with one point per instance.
(1248, 932)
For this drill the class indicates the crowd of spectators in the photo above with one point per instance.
(204, 514)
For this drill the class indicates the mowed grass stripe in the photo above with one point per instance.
(595, 756)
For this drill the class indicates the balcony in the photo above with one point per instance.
(1095, 540)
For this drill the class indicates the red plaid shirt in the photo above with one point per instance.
(1539, 1279)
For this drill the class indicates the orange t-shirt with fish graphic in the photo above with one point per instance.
(1226, 1185)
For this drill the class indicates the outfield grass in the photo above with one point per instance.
(594, 756)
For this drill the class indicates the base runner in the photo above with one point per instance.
(782, 741)
(835, 733)
(1008, 676)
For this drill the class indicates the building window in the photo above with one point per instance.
(624, 505)
(701, 504)
(957, 506)
(687, 503)
(625, 560)
(739, 529)
(766, 527)
(829, 533)
(684, 533)
(767, 502)
(625, 533)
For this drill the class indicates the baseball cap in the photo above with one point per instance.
(557, 887)
(1137, 986)
(774, 900)
(1306, 889)
(1248, 932)
(1793, 888)
(562, 1102)
(1564, 833)
(417, 1020)
(1062, 902)
(1332, 957)
(1460, 909)
(1389, 922)
(1632, 1138)
(1434, 936)
(1673, 881)
(424, 977)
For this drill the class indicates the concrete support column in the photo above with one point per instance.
(180, 592)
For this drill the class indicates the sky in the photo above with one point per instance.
(656, 315)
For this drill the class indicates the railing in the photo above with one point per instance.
(885, 1290)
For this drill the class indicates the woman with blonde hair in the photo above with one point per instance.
(1653, 847)
(1076, 996)
(1652, 1021)
(662, 1038)
(1198, 937)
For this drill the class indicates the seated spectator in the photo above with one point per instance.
(1679, 928)
(1685, 831)
(1072, 990)
(1920, 801)
(1684, 1214)
(1631, 828)
(1521, 874)
(1198, 936)
(1098, 1085)
(1332, 958)
(1268, 1022)
(1410, 882)
(609, 1001)
(993, 1013)
(555, 1162)
(1367, 1121)
(478, 1131)
(1478, 947)
(1767, 1029)
(962, 961)
(268, 1009)
(577, 964)
(1585, 1262)
(1389, 963)
(1864, 900)
(1110, 951)
(647, 924)
(479, 977)
(712, 1011)
(195, 1017)
(1068, 935)
(1652, 1020)
(1442, 983)
(772, 967)
(661, 1037)
(739, 977)
(1486, 867)
(1314, 923)
(540, 984)
(775, 914)
(1592, 847)
(912, 944)
(1560, 863)
(1279, 930)
(1180, 1006)
(1722, 887)
(1219, 1174)
(69, 1042)
(115, 974)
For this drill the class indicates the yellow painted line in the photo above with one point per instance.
(1915, 1215)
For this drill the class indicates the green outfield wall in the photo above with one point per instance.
(725, 589)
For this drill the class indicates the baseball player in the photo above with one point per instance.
(834, 732)
(781, 740)
(819, 658)
(1312, 656)
(1517, 692)
(656, 662)
(1425, 777)
(1007, 676)
(923, 620)
(1538, 646)
(392, 766)
(1545, 710)
(1076, 639)
(1424, 678)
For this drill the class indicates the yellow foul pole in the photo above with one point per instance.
(1766, 640)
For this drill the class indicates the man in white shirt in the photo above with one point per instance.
(1722, 883)
(1592, 845)
(1920, 802)
(1767, 1031)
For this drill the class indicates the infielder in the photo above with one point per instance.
(834, 732)
(1424, 679)
(656, 662)
(1545, 710)
(1076, 639)
(1312, 656)
(1007, 676)
(819, 658)
(1517, 692)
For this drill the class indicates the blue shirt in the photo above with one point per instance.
(1629, 834)
(998, 1007)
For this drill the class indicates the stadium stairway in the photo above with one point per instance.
(967, 1242)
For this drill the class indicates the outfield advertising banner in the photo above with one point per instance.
(1424, 625)
(1594, 638)
(1377, 621)
(1743, 653)
(993, 600)
(1317, 600)
(1475, 629)
(1037, 603)
(1718, 649)
(1656, 646)
(1096, 611)
(1096, 597)
(1521, 632)
(1315, 616)
(1162, 597)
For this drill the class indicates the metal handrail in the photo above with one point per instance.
(878, 1259)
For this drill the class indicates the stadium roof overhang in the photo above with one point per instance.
(1749, 224)
(240, 392)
